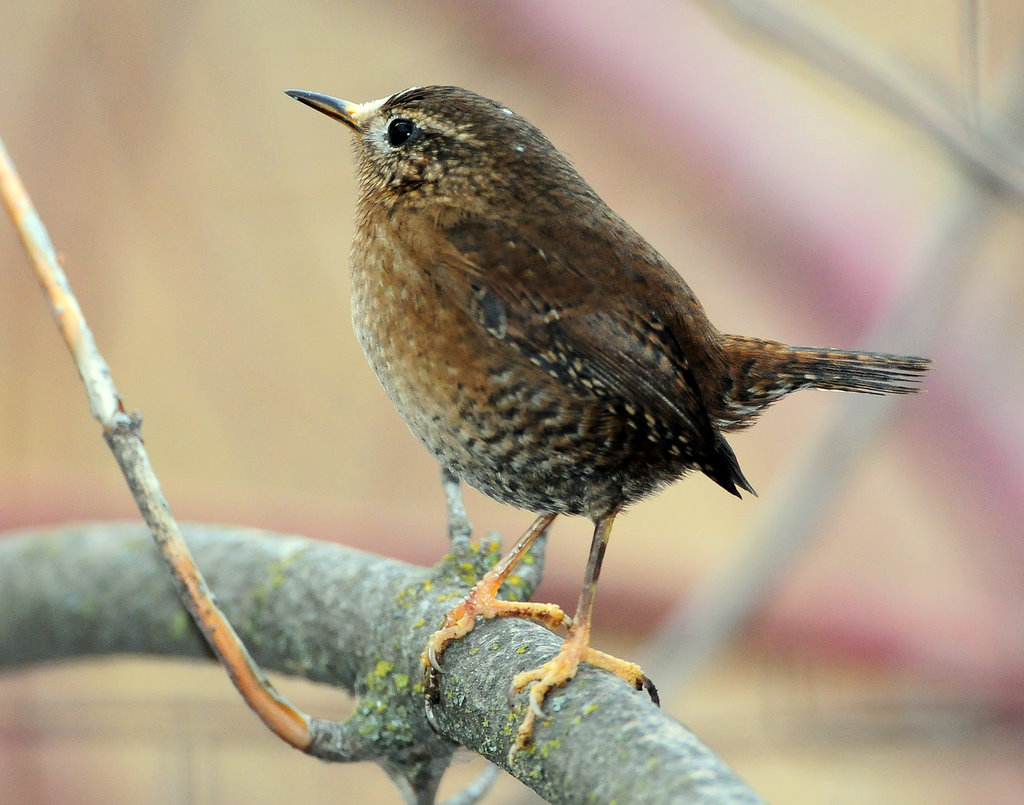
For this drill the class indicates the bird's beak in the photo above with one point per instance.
(347, 113)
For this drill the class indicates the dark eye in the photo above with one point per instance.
(399, 130)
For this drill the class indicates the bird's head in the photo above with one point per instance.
(445, 144)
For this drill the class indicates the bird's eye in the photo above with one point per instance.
(399, 130)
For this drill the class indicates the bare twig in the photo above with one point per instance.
(476, 790)
(121, 431)
(459, 528)
(724, 603)
(991, 159)
(969, 68)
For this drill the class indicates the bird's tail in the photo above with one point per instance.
(761, 372)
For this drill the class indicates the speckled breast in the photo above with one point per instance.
(497, 421)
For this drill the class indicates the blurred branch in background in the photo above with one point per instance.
(716, 610)
(993, 157)
(725, 602)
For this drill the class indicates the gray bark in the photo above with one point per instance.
(358, 621)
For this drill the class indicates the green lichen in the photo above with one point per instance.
(42, 548)
(297, 667)
(276, 571)
(382, 711)
(252, 636)
(467, 573)
(275, 578)
(514, 588)
(86, 607)
(405, 597)
(549, 746)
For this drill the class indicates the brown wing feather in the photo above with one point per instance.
(642, 352)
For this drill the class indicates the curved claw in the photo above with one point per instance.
(524, 735)
(534, 701)
(432, 659)
(652, 691)
(432, 684)
(535, 706)
(431, 714)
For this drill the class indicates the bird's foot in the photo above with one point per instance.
(628, 672)
(558, 671)
(460, 620)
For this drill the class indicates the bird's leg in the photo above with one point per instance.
(482, 600)
(562, 667)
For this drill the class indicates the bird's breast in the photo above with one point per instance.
(490, 413)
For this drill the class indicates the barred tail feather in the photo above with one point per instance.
(866, 372)
(761, 372)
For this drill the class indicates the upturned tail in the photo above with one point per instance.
(761, 372)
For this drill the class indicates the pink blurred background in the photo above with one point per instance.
(205, 219)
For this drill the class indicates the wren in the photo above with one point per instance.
(540, 348)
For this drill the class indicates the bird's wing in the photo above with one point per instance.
(614, 329)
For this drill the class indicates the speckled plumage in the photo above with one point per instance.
(538, 346)
(535, 343)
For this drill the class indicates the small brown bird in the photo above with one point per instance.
(539, 347)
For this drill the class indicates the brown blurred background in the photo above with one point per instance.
(205, 218)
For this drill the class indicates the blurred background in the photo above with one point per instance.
(855, 634)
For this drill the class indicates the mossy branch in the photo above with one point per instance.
(357, 621)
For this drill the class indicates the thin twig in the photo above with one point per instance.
(459, 528)
(990, 158)
(697, 629)
(477, 788)
(969, 67)
(121, 431)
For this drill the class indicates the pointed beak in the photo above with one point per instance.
(347, 113)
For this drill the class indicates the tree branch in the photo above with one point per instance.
(347, 618)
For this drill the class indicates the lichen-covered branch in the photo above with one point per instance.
(357, 621)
